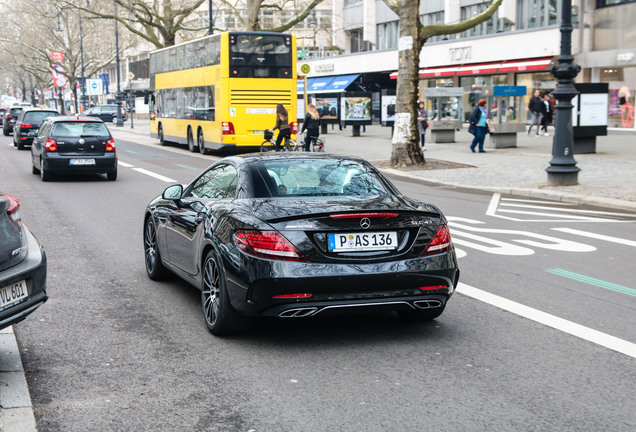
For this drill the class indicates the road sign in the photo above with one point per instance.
(305, 69)
(131, 75)
(94, 87)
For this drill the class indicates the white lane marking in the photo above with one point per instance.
(597, 236)
(573, 218)
(155, 175)
(461, 253)
(533, 201)
(567, 210)
(492, 207)
(586, 333)
(124, 164)
(496, 247)
(537, 240)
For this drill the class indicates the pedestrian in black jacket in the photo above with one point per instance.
(536, 107)
(311, 125)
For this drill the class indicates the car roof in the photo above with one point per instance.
(74, 118)
(249, 158)
(26, 110)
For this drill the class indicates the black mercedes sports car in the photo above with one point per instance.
(299, 235)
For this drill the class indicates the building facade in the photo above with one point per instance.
(517, 46)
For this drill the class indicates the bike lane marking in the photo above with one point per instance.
(593, 281)
(569, 327)
(597, 236)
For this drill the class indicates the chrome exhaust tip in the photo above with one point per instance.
(427, 304)
(298, 313)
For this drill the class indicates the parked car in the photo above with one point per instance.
(22, 266)
(73, 145)
(10, 117)
(2, 112)
(27, 125)
(107, 113)
(299, 235)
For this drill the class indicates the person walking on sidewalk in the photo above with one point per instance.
(479, 126)
(311, 125)
(547, 115)
(536, 107)
(422, 122)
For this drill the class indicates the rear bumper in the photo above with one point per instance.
(33, 270)
(314, 289)
(104, 164)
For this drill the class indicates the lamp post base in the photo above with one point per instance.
(560, 178)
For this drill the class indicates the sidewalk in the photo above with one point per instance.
(606, 178)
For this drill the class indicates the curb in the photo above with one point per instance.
(16, 409)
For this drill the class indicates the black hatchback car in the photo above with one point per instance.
(107, 113)
(9, 119)
(293, 236)
(73, 145)
(27, 125)
(22, 266)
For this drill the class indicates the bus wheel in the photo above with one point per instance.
(162, 142)
(191, 146)
(201, 143)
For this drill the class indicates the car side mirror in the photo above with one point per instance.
(174, 193)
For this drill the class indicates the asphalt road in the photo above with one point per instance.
(112, 350)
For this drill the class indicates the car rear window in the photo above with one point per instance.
(38, 116)
(318, 177)
(75, 129)
(15, 111)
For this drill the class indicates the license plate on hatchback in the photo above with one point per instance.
(13, 294)
(82, 161)
(371, 241)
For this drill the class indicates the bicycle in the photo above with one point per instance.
(270, 143)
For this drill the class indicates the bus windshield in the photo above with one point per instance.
(260, 56)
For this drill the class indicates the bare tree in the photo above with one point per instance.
(406, 150)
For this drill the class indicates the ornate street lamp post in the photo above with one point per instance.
(83, 87)
(210, 22)
(563, 170)
(119, 122)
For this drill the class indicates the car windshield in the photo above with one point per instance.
(38, 116)
(79, 129)
(319, 177)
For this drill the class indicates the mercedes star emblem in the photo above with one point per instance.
(365, 223)
(81, 141)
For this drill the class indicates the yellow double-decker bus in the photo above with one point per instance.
(221, 91)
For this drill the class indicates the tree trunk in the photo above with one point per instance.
(406, 150)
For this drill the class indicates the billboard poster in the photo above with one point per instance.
(327, 107)
(387, 113)
(356, 108)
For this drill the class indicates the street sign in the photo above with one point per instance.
(94, 87)
(131, 75)
(305, 69)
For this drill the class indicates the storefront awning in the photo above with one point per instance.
(535, 64)
(340, 83)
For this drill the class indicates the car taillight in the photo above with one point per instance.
(227, 128)
(10, 116)
(110, 145)
(50, 145)
(24, 125)
(267, 244)
(14, 206)
(294, 128)
(441, 242)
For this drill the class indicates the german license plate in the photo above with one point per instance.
(82, 162)
(370, 241)
(13, 294)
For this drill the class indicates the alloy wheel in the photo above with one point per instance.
(211, 291)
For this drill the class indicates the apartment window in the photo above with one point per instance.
(352, 2)
(606, 3)
(267, 19)
(436, 18)
(491, 26)
(387, 35)
(533, 14)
